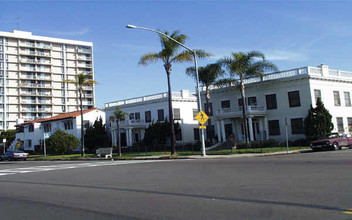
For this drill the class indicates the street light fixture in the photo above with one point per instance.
(195, 66)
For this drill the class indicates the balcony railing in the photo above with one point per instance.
(44, 110)
(81, 50)
(44, 101)
(29, 109)
(44, 93)
(238, 110)
(28, 93)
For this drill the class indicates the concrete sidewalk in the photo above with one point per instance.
(163, 157)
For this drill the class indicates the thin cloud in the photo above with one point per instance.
(269, 54)
(286, 55)
(70, 33)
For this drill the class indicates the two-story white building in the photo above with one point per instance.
(142, 111)
(31, 133)
(279, 102)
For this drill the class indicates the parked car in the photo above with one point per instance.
(333, 141)
(14, 155)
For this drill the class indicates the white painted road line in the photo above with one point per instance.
(68, 166)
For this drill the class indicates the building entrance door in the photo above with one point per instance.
(228, 130)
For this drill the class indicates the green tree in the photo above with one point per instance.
(96, 136)
(158, 133)
(81, 81)
(242, 66)
(119, 115)
(169, 54)
(318, 122)
(9, 135)
(61, 142)
(208, 76)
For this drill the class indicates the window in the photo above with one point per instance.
(137, 116)
(195, 112)
(177, 114)
(297, 126)
(161, 115)
(30, 128)
(240, 102)
(293, 99)
(148, 116)
(317, 95)
(47, 128)
(85, 125)
(225, 104)
(274, 127)
(178, 134)
(196, 134)
(271, 102)
(252, 101)
(339, 124)
(347, 99)
(349, 124)
(131, 116)
(337, 100)
(68, 125)
(210, 108)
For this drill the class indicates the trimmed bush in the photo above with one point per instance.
(61, 142)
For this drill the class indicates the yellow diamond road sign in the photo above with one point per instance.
(202, 117)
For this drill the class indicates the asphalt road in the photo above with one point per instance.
(300, 186)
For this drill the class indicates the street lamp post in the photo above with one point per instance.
(195, 66)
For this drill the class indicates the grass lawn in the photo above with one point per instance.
(59, 157)
(135, 155)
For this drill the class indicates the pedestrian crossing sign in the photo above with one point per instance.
(202, 117)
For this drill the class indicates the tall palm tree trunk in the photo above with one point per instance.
(207, 111)
(244, 119)
(118, 131)
(171, 115)
(82, 125)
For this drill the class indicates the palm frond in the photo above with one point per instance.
(70, 81)
(203, 54)
(184, 56)
(222, 83)
(149, 58)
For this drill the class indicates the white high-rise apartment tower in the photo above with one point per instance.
(32, 70)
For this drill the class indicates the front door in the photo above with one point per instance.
(228, 130)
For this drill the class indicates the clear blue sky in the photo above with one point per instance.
(290, 34)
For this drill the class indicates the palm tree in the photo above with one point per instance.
(168, 55)
(111, 120)
(242, 66)
(207, 77)
(81, 81)
(118, 116)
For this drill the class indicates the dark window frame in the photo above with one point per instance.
(297, 126)
(294, 99)
(274, 127)
(271, 101)
(148, 116)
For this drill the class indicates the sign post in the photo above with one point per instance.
(202, 118)
(46, 135)
(4, 144)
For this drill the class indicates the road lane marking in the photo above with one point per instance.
(69, 166)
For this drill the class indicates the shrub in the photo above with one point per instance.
(61, 142)
(96, 136)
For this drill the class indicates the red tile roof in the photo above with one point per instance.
(60, 116)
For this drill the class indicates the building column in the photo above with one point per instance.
(112, 137)
(250, 127)
(223, 134)
(130, 137)
(266, 127)
(218, 130)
